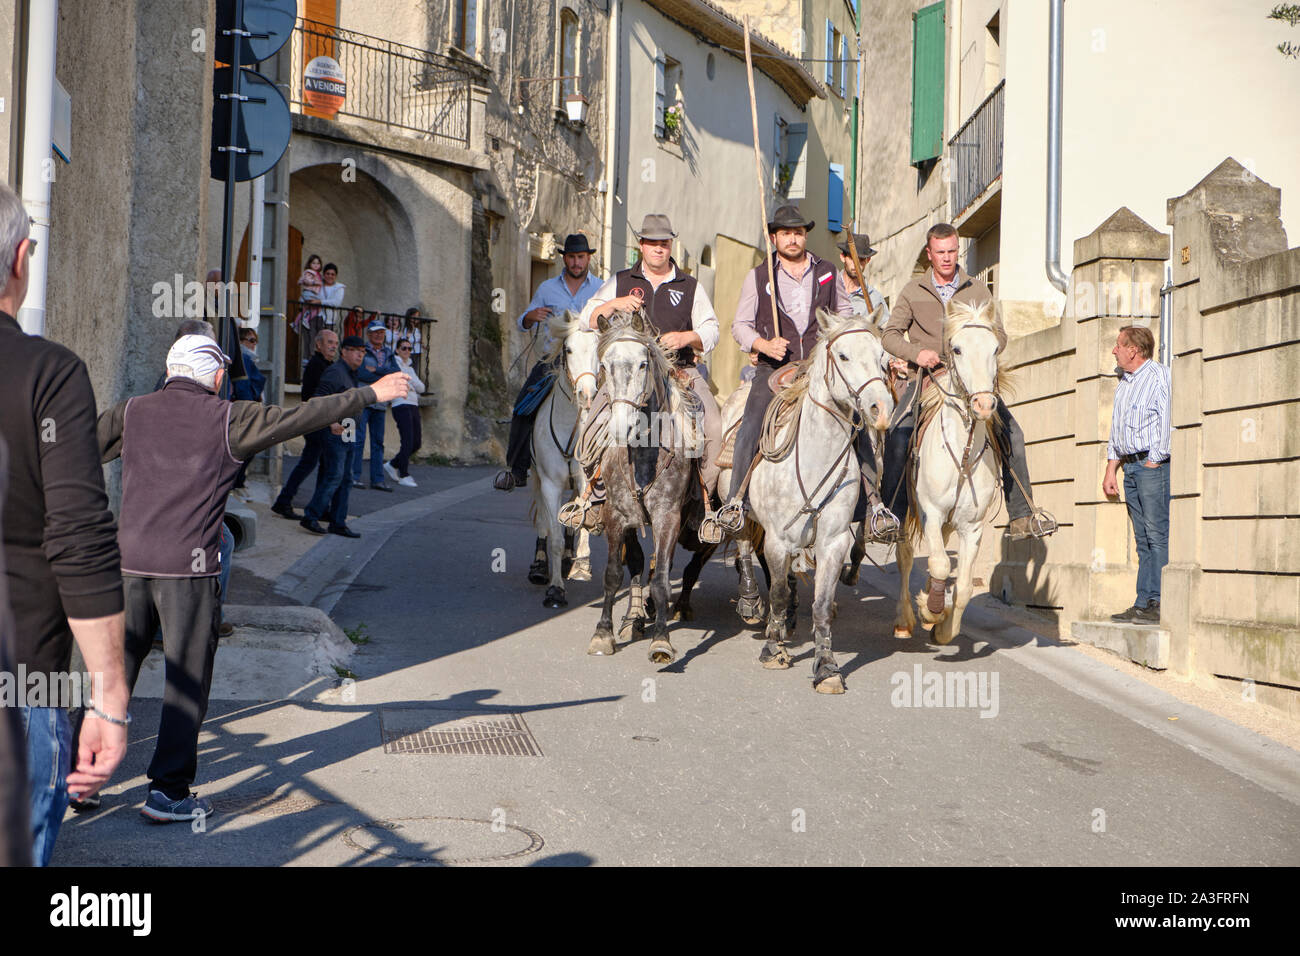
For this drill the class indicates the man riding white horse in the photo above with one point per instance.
(915, 332)
(805, 283)
(682, 315)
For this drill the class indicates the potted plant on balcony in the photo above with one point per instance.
(674, 117)
(784, 176)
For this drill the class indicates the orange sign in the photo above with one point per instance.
(323, 85)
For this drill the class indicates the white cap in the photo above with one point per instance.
(198, 352)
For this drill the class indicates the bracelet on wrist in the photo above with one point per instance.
(94, 711)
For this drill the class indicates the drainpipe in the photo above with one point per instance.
(38, 119)
(857, 99)
(1054, 273)
(611, 136)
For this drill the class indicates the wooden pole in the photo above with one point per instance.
(758, 175)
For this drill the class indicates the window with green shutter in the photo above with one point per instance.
(927, 82)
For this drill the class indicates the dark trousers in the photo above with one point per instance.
(333, 483)
(751, 430)
(1011, 442)
(407, 418)
(1146, 493)
(189, 612)
(519, 446)
(311, 457)
(371, 419)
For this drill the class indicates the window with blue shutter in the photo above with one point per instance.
(830, 53)
(927, 82)
(661, 63)
(835, 198)
(844, 65)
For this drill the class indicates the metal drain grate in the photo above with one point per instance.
(433, 730)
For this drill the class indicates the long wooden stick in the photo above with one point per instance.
(758, 175)
(857, 266)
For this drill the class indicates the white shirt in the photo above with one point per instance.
(414, 390)
(703, 320)
(332, 295)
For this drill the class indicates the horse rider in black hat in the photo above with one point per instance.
(569, 290)
(682, 315)
(804, 283)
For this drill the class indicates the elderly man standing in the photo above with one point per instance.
(379, 360)
(682, 315)
(60, 550)
(569, 291)
(327, 350)
(915, 333)
(1139, 442)
(181, 448)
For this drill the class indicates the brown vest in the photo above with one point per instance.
(668, 307)
(823, 297)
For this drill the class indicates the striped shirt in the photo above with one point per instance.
(1140, 420)
(946, 290)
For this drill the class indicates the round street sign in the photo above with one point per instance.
(263, 125)
(323, 84)
(273, 17)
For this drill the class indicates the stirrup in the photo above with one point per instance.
(730, 517)
(709, 531)
(573, 514)
(884, 525)
(1042, 523)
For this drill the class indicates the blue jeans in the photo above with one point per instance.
(1146, 492)
(311, 454)
(373, 419)
(332, 484)
(49, 755)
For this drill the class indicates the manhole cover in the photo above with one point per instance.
(450, 841)
(267, 803)
(433, 730)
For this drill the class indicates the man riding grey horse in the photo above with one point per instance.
(919, 315)
(804, 283)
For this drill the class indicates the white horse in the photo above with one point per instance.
(556, 472)
(958, 472)
(805, 500)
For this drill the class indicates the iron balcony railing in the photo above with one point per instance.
(397, 86)
(309, 319)
(976, 151)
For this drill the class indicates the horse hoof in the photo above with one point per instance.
(684, 614)
(581, 571)
(539, 572)
(942, 632)
(902, 633)
(849, 576)
(631, 629)
(751, 610)
(555, 597)
(661, 652)
(774, 661)
(602, 645)
(834, 684)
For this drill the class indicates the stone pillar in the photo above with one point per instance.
(1118, 273)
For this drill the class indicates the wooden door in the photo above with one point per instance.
(292, 340)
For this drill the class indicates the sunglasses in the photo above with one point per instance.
(404, 348)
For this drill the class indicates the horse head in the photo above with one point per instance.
(855, 360)
(970, 352)
(576, 344)
(634, 366)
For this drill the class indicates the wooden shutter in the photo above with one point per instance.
(835, 198)
(661, 64)
(844, 65)
(927, 82)
(318, 40)
(830, 53)
(796, 152)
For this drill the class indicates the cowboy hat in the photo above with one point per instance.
(862, 242)
(575, 242)
(788, 217)
(656, 226)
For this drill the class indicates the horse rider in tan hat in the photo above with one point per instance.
(680, 311)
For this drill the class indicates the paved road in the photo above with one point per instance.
(709, 760)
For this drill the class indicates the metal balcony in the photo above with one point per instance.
(976, 156)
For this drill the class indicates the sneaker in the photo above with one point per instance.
(391, 472)
(358, 483)
(1129, 616)
(85, 805)
(407, 482)
(1149, 614)
(161, 808)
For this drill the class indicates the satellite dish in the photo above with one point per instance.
(263, 126)
(274, 18)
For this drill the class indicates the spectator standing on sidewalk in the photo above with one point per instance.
(406, 414)
(334, 480)
(327, 350)
(378, 362)
(180, 450)
(60, 551)
(250, 389)
(1139, 443)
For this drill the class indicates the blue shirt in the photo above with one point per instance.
(554, 294)
(377, 363)
(1140, 420)
(946, 290)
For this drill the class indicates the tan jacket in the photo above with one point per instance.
(919, 313)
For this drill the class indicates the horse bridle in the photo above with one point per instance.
(854, 393)
(963, 394)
